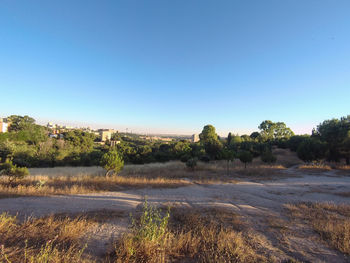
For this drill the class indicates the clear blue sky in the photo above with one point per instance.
(174, 66)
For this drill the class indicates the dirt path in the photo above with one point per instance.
(259, 203)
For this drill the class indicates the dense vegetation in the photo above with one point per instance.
(27, 144)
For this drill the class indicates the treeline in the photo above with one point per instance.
(28, 144)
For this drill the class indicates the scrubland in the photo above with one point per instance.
(79, 180)
(264, 213)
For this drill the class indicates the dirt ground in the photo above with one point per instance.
(261, 205)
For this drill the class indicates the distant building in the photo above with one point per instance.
(3, 125)
(50, 125)
(114, 143)
(106, 134)
(195, 138)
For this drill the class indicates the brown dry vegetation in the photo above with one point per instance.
(316, 167)
(330, 221)
(41, 186)
(78, 180)
(192, 235)
(42, 240)
(343, 167)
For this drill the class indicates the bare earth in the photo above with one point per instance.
(261, 205)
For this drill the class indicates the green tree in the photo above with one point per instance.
(13, 171)
(345, 148)
(311, 149)
(209, 139)
(192, 163)
(255, 135)
(268, 157)
(228, 155)
(229, 138)
(245, 157)
(208, 134)
(112, 162)
(334, 132)
(274, 131)
(19, 123)
(295, 141)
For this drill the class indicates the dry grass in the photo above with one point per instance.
(48, 239)
(331, 221)
(286, 157)
(209, 235)
(343, 167)
(206, 173)
(316, 167)
(78, 180)
(45, 185)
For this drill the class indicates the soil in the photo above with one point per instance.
(261, 205)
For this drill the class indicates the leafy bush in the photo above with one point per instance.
(245, 157)
(112, 162)
(13, 171)
(268, 157)
(152, 225)
(192, 163)
(311, 150)
(205, 158)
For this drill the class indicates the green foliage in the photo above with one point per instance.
(245, 157)
(213, 148)
(229, 138)
(152, 225)
(268, 157)
(274, 131)
(112, 161)
(20, 123)
(192, 163)
(228, 155)
(208, 134)
(83, 141)
(335, 133)
(311, 149)
(255, 135)
(295, 141)
(13, 171)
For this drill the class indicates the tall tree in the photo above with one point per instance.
(334, 132)
(274, 131)
(209, 139)
(208, 133)
(18, 123)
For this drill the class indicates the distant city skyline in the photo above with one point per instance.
(174, 66)
(179, 131)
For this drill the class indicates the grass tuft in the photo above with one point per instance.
(190, 235)
(330, 221)
(41, 240)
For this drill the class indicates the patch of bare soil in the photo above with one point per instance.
(260, 204)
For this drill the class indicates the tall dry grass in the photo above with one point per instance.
(316, 167)
(210, 235)
(45, 240)
(45, 185)
(77, 180)
(330, 221)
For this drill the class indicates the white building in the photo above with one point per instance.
(3, 125)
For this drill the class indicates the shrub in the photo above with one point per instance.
(148, 236)
(245, 157)
(184, 158)
(311, 150)
(268, 157)
(192, 163)
(205, 158)
(112, 162)
(13, 171)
